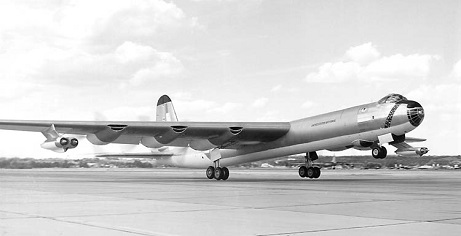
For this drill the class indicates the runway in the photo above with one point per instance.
(251, 202)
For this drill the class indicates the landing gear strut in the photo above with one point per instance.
(310, 171)
(217, 172)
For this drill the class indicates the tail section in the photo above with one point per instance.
(165, 109)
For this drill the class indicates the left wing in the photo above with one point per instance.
(198, 135)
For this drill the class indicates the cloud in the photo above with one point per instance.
(395, 66)
(260, 102)
(226, 108)
(276, 88)
(163, 65)
(335, 72)
(86, 21)
(308, 105)
(363, 54)
(141, 20)
(364, 63)
(457, 70)
(130, 52)
(87, 43)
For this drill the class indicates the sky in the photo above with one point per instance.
(226, 60)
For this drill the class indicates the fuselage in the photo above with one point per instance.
(355, 127)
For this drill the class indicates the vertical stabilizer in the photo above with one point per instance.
(165, 109)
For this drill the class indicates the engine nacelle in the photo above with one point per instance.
(419, 151)
(61, 144)
(151, 142)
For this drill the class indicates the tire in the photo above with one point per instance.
(379, 152)
(316, 172)
(210, 172)
(218, 173)
(302, 172)
(225, 173)
(383, 152)
(310, 172)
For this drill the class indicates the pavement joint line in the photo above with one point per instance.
(150, 212)
(101, 200)
(337, 229)
(360, 227)
(32, 216)
(367, 217)
(275, 207)
(326, 204)
(442, 220)
(217, 207)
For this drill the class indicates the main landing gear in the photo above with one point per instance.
(379, 152)
(217, 172)
(310, 171)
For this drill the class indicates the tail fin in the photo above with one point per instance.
(165, 109)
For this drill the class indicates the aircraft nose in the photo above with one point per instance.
(415, 113)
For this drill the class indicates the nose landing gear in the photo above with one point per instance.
(310, 171)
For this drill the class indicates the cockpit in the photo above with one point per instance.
(392, 98)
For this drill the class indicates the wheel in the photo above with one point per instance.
(375, 152)
(316, 172)
(302, 171)
(210, 172)
(218, 173)
(310, 172)
(225, 173)
(379, 152)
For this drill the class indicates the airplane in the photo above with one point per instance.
(216, 145)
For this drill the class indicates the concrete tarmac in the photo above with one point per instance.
(252, 202)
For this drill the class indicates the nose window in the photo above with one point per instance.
(415, 115)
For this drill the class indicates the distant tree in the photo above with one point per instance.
(391, 164)
(83, 164)
(140, 164)
(371, 165)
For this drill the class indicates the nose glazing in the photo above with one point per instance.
(415, 113)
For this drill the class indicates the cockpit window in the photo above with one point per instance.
(392, 98)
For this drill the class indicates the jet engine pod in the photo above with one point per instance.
(422, 150)
(412, 152)
(61, 144)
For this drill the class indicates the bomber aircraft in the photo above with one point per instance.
(216, 145)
